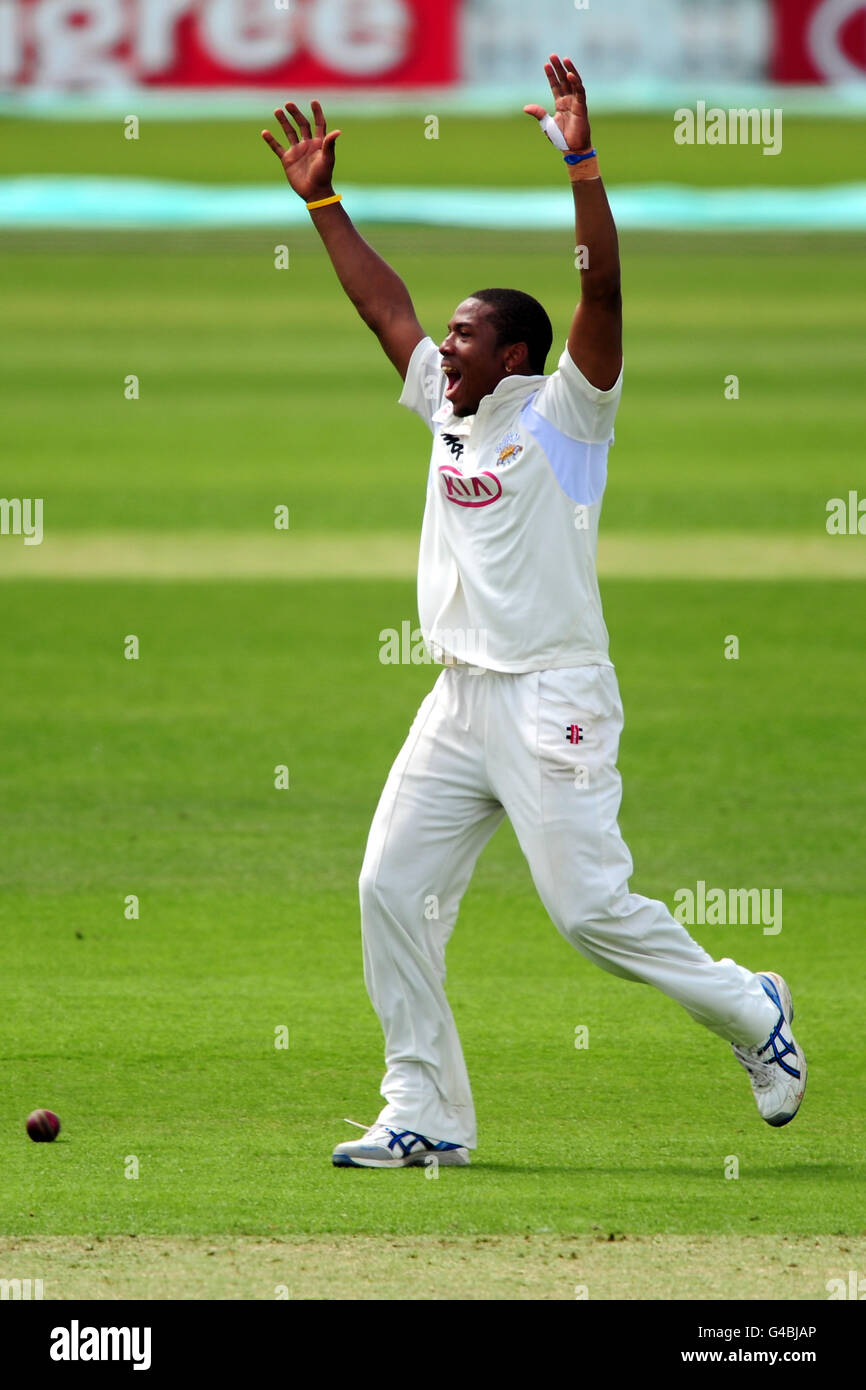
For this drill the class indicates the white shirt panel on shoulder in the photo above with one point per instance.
(506, 573)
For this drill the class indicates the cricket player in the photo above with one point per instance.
(525, 717)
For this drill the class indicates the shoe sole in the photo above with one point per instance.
(788, 1004)
(453, 1158)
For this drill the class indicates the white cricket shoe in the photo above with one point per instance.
(384, 1147)
(777, 1070)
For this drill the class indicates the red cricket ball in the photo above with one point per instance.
(43, 1126)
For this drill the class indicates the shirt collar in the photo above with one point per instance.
(506, 393)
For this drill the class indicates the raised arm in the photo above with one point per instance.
(595, 339)
(376, 291)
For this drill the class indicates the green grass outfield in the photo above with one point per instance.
(497, 152)
(153, 1038)
(260, 387)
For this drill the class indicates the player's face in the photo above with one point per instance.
(470, 357)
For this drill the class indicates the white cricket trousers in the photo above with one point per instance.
(485, 745)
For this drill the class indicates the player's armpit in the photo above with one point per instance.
(574, 406)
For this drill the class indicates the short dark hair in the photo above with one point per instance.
(518, 318)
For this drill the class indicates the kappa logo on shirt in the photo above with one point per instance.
(478, 490)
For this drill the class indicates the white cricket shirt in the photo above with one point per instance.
(506, 572)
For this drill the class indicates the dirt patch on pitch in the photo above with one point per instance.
(613, 1266)
(394, 555)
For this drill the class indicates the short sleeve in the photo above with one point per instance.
(577, 408)
(424, 387)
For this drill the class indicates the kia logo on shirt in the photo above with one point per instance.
(477, 491)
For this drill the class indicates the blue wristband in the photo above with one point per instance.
(578, 158)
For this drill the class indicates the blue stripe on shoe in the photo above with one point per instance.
(787, 1049)
(399, 1136)
(770, 989)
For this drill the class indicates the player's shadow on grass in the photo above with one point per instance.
(768, 1172)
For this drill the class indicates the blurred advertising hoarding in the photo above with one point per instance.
(196, 46)
(819, 41)
(618, 41)
(97, 45)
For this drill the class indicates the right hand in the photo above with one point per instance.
(309, 159)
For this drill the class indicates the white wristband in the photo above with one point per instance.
(553, 132)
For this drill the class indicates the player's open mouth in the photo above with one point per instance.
(454, 379)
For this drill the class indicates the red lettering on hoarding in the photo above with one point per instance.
(100, 44)
(818, 41)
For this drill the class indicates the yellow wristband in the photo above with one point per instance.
(323, 202)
